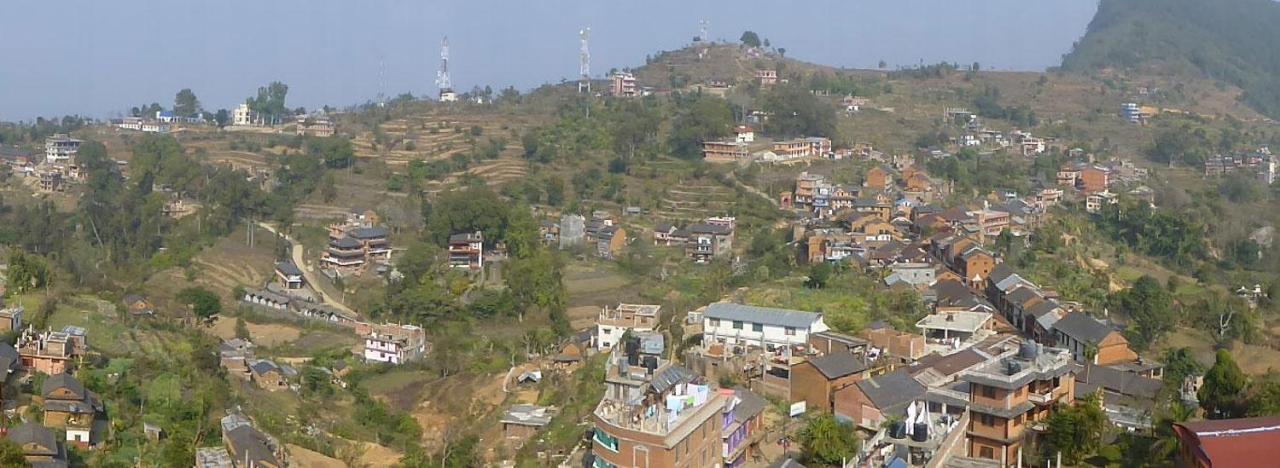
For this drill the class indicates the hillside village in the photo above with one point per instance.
(724, 257)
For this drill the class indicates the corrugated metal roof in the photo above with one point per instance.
(762, 315)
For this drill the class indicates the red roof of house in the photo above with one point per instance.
(1231, 442)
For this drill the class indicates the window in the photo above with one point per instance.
(606, 440)
(737, 325)
(989, 392)
(987, 452)
(713, 322)
(791, 331)
(757, 327)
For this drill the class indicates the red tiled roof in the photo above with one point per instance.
(1231, 442)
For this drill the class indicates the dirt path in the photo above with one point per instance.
(307, 272)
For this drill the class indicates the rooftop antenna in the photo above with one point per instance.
(382, 82)
(442, 76)
(584, 62)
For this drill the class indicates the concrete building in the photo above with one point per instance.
(724, 151)
(623, 84)
(744, 325)
(394, 343)
(572, 228)
(1008, 396)
(1228, 442)
(522, 422)
(613, 322)
(60, 149)
(466, 250)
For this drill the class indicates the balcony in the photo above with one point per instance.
(1043, 398)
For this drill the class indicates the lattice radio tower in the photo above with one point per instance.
(584, 62)
(442, 76)
(382, 82)
(704, 34)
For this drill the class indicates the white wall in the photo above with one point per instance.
(772, 334)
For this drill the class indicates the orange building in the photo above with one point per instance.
(877, 179)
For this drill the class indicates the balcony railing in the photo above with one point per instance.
(1041, 398)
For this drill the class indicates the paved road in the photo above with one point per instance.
(313, 278)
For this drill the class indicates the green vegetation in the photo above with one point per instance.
(1227, 40)
(1077, 430)
(828, 442)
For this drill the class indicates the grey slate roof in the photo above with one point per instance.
(762, 315)
(251, 444)
(1022, 295)
(62, 380)
(345, 243)
(718, 230)
(8, 357)
(465, 237)
(31, 432)
(892, 391)
(1118, 381)
(529, 415)
(263, 366)
(1081, 327)
(749, 405)
(838, 365)
(1000, 272)
(288, 268)
(369, 233)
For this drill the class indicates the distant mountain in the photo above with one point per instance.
(1235, 41)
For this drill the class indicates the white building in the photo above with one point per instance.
(738, 324)
(60, 149)
(395, 344)
(615, 321)
(744, 134)
(243, 116)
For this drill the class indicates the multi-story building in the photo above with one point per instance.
(1092, 340)
(613, 322)
(657, 414)
(357, 242)
(51, 352)
(316, 126)
(767, 77)
(394, 343)
(765, 327)
(466, 250)
(802, 148)
(623, 84)
(60, 149)
(289, 275)
(724, 151)
(744, 134)
(243, 116)
(69, 406)
(1008, 397)
(708, 241)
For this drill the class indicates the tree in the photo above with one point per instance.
(185, 104)
(1150, 306)
(1265, 399)
(828, 441)
(750, 39)
(818, 276)
(242, 329)
(797, 112)
(270, 102)
(222, 117)
(204, 303)
(701, 118)
(1076, 431)
(1220, 396)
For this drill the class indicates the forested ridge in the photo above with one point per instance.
(1228, 40)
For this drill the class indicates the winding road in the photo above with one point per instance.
(312, 277)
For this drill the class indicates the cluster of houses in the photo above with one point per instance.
(746, 147)
(1259, 163)
(658, 413)
(702, 242)
(971, 383)
(1095, 180)
(70, 415)
(162, 122)
(357, 244)
(976, 135)
(243, 445)
(603, 235)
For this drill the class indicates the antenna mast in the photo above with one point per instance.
(704, 35)
(584, 62)
(442, 76)
(382, 82)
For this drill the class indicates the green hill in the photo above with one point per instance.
(1234, 41)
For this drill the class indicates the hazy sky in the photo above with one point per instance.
(99, 58)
